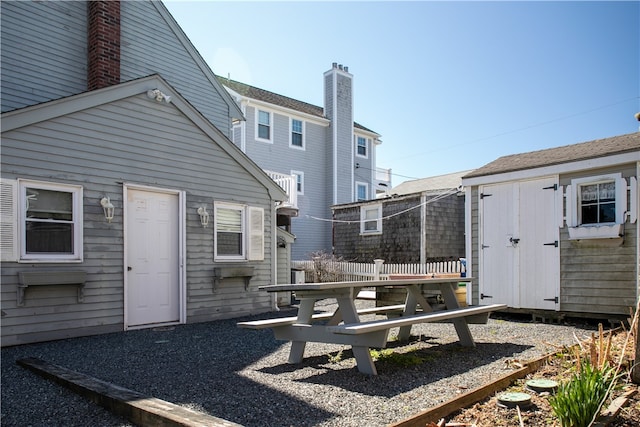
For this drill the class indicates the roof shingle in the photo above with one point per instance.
(569, 153)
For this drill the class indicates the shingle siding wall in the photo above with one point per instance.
(444, 229)
(44, 51)
(152, 145)
(400, 241)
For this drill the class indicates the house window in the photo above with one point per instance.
(361, 146)
(51, 218)
(299, 181)
(371, 219)
(362, 191)
(297, 133)
(239, 232)
(264, 125)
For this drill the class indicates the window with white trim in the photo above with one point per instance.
(596, 207)
(362, 191)
(297, 133)
(599, 200)
(50, 221)
(263, 125)
(371, 219)
(362, 146)
(299, 181)
(239, 232)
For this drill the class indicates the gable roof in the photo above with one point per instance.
(554, 156)
(26, 116)
(256, 93)
(433, 184)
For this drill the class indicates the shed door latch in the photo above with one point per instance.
(555, 299)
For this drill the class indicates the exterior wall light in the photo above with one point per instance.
(108, 208)
(204, 216)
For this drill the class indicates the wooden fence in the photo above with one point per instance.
(331, 271)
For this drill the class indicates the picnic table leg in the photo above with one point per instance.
(362, 354)
(462, 328)
(305, 312)
(414, 297)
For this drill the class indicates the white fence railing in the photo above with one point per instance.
(289, 184)
(324, 271)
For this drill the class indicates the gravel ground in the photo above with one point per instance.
(243, 375)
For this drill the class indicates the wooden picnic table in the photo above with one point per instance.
(344, 326)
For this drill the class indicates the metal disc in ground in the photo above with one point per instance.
(542, 385)
(513, 399)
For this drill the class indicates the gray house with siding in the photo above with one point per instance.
(124, 203)
(556, 231)
(332, 158)
(418, 221)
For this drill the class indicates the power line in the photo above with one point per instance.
(434, 199)
(518, 129)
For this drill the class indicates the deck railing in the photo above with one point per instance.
(289, 184)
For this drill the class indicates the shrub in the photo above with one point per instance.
(578, 400)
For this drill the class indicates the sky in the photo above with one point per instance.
(449, 86)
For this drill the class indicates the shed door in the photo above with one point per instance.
(520, 258)
(153, 258)
(497, 268)
(539, 245)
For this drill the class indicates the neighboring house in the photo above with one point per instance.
(420, 221)
(332, 158)
(556, 230)
(124, 203)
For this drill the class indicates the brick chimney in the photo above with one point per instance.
(103, 44)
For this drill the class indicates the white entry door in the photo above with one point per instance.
(520, 258)
(152, 261)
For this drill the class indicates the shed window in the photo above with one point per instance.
(598, 202)
(51, 215)
(371, 219)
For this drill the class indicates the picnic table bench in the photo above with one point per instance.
(345, 326)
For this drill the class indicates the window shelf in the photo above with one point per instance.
(50, 278)
(220, 273)
(612, 231)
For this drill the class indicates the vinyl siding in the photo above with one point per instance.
(44, 55)
(311, 235)
(596, 278)
(150, 46)
(155, 145)
(44, 48)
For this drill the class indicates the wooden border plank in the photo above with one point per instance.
(129, 404)
(447, 408)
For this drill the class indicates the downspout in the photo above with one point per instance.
(423, 226)
(274, 255)
(469, 242)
